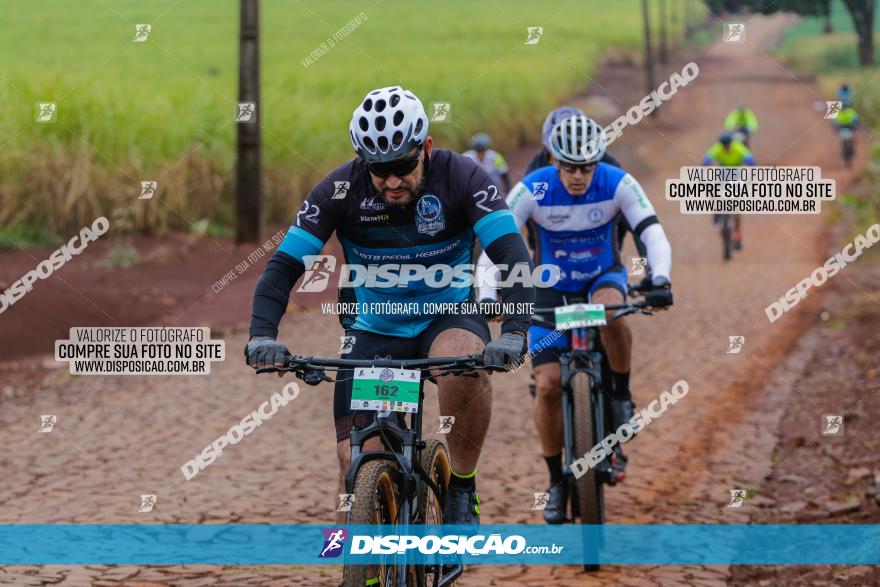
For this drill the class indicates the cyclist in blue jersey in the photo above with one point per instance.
(574, 206)
(404, 203)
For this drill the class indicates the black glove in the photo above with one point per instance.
(486, 305)
(505, 350)
(264, 351)
(660, 296)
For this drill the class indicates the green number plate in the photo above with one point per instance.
(382, 389)
(580, 316)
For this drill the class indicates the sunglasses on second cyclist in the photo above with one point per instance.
(397, 167)
(584, 168)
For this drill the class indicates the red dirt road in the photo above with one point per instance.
(117, 438)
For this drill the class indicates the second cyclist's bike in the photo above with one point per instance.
(586, 418)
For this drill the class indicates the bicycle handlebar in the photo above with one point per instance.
(311, 369)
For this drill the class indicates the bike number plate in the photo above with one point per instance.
(580, 316)
(385, 390)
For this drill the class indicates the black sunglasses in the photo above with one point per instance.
(584, 168)
(397, 167)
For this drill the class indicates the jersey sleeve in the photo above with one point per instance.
(495, 227)
(312, 227)
(635, 206)
(521, 204)
(314, 223)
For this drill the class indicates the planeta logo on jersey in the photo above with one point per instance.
(429, 214)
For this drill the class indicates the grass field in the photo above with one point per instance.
(164, 109)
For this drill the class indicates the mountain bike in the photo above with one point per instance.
(847, 140)
(585, 419)
(406, 482)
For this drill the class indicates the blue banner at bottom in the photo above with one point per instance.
(530, 544)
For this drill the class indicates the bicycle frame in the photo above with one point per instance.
(585, 356)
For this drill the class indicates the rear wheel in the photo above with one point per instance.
(727, 237)
(435, 461)
(848, 151)
(587, 498)
(375, 502)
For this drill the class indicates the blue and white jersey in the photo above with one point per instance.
(578, 233)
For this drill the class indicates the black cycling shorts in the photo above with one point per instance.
(369, 345)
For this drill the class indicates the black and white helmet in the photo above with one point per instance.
(388, 123)
(577, 140)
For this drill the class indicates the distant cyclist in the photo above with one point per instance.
(408, 204)
(575, 220)
(491, 161)
(728, 152)
(743, 121)
(847, 122)
(845, 93)
(544, 157)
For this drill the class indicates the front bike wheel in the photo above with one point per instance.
(588, 497)
(375, 502)
(435, 462)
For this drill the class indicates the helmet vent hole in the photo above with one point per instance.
(398, 118)
(380, 105)
(397, 139)
(383, 143)
(395, 99)
(368, 104)
(419, 125)
(380, 123)
(369, 143)
(364, 123)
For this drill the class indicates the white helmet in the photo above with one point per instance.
(388, 124)
(577, 140)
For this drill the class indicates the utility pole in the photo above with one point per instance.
(687, 19)
(664, 53)
(649, 59)
(248, 192)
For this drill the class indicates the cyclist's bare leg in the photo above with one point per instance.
(343, 455)
(616, 335)
(548, 407)
(468, 399)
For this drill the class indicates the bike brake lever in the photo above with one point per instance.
(313, 376)
(267, 370)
